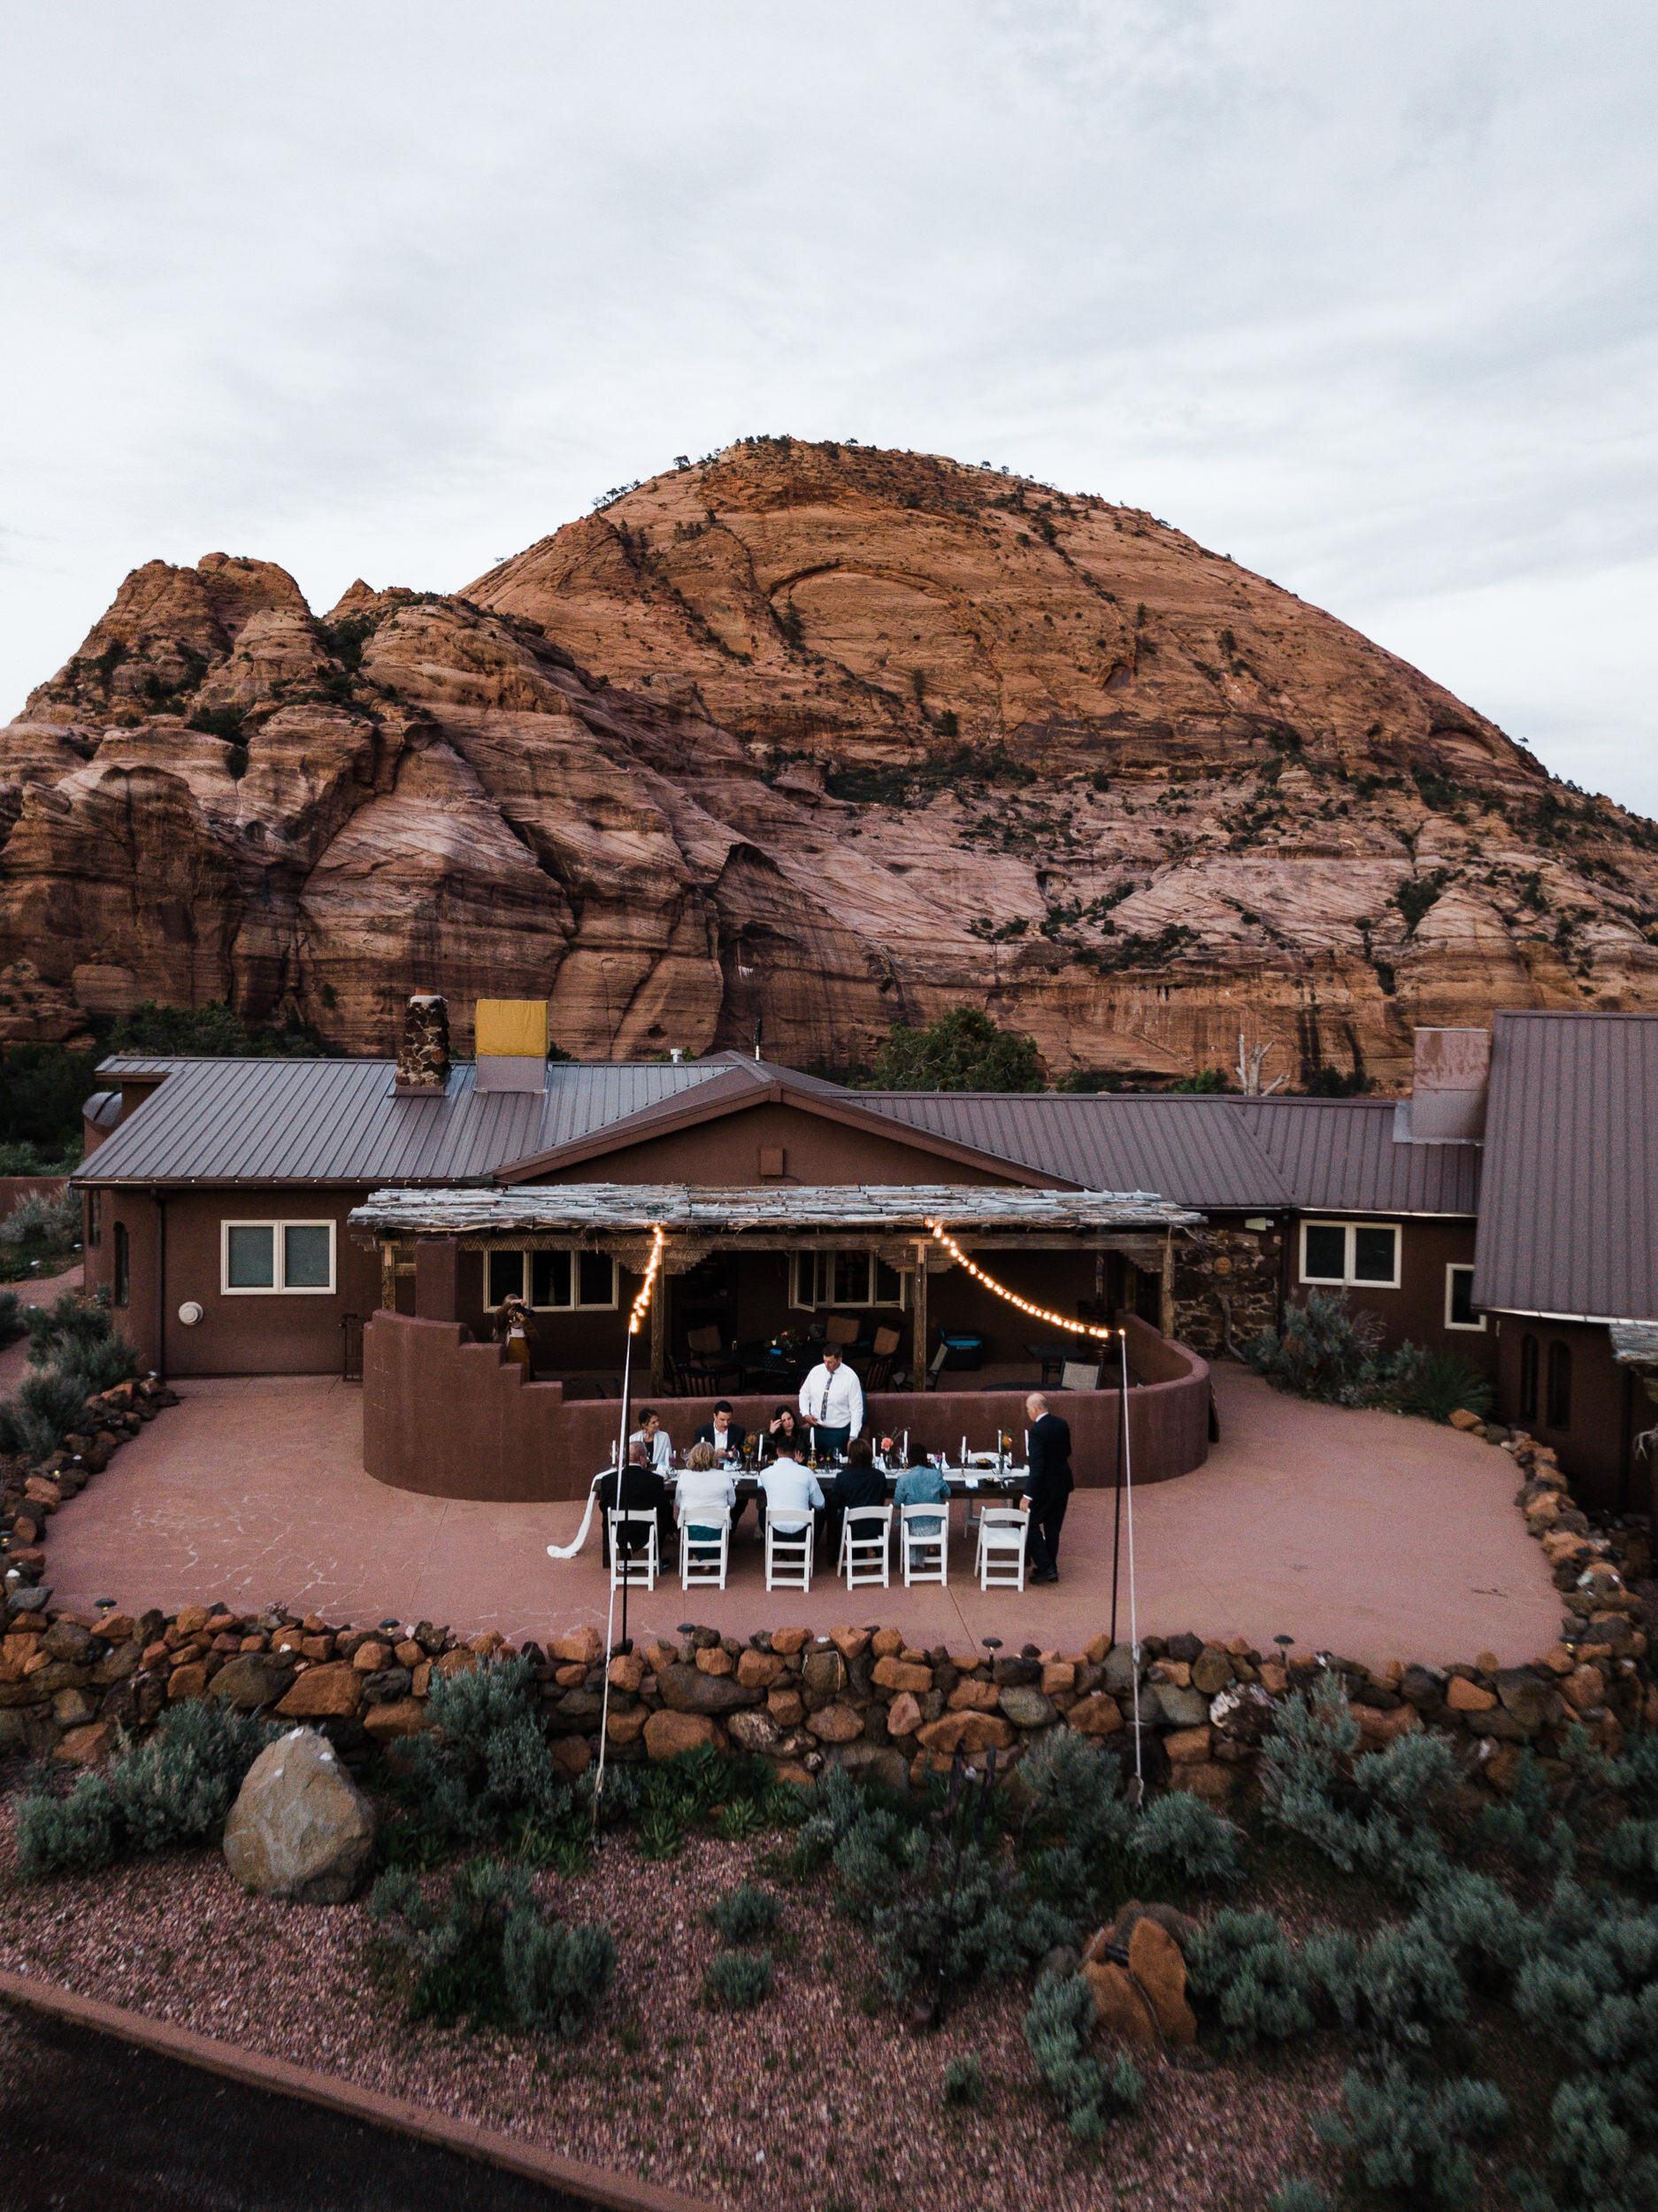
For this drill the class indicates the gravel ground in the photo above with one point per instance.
(809, 2104)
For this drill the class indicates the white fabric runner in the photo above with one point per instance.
(568, 1551)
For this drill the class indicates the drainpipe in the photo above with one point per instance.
(161, 1284)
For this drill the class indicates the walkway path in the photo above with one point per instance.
(1361, 1532)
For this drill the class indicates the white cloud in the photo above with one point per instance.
(1364, 297)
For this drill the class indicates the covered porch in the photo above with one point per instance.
(735, 1291)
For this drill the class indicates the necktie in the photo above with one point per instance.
(822, 1410)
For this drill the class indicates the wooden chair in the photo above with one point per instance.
(1003, 1530)
(878, 1372)
(705, 1342)
(842, 1328)
(788, 1544)
(694, 1382)
(703, 1560)
(926, 1555)
(633, 1562)
(876, 1375)
(865, 1549)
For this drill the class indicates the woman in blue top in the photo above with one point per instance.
(922, 1485)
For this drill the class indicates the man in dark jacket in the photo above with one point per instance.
(642, 1491)
(723, 1432)
(860, 1482)
(1048, 1488)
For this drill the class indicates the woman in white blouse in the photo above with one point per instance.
(704, 1489)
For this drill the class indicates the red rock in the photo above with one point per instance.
(371, 1658)
(626, 1673)
(460, 1661)
(1124, 2014)
(900, 1674)
(332, 1690)
(625, 1727)
(1463, 1696)
(583, 1647)
(403, 1716)
(668, 1734)
(1187, 1746)
(715, 1661)
(968, 1732)
(1097, 1715)
(318, 1647)
(758, 1669)
(570, 1754)
(410, 1654)
(87, 1747)
(786, 1708)
(190, 1619)
(836, 1724)
(849, 1642)
(786, 1641)
(905, 1716)
(189, 1680)
(887, 1643)
(973, 1697)
(1155, 1963)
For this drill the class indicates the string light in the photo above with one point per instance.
(1037, 1313)
(642, 1302)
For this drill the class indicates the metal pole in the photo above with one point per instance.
(1117, 1518)
(609, 1625)
(1133, 1619)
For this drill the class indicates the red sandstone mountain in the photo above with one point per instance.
(820, 736)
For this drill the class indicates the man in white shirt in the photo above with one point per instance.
(657, 1443)
(832, 1399)
(788, 1489)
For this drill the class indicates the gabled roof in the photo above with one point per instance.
(332, 1122)
(1569, 1223)
(740, 1085)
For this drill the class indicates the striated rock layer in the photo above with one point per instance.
(815, 738)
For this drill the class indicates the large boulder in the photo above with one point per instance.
(688, 1690)
(253, 1678)
(300, 1827)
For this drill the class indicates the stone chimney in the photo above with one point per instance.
(423, 1057)
(1448, 1086)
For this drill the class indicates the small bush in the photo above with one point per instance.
(1525, 1824)
(1058, 2029)
(11, 1322)
(1411, 2138)
(1325, 1352)
(744, 1915)
(485, 1764)
(1294, 2193)
(739, 1980)
(555, 1976)
(490, 1958)
(38, 1218)
(1180, 1833)
(1597, 2166)
(1434, 1384)
(179, 1787)
(1243, 1965)
(1372, 1812)
(965, 2081)
(67, 1835)
(1400, 1985)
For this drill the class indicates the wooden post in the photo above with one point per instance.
(659, 1333)
(1166, 1314)
(388, 1275)
(918, 1331)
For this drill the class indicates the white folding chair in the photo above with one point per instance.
(864, 1550)
(642, 1564)
(788, 1552)
(1003, 1530)
(926, 1552)
(704, 1559)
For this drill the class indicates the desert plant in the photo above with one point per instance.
(1178, 1833)
(179, 1787)
(485, 1759)
(1242, 1963)
(1058, 2029)
(1412, 2138)
(490, 1958)
(39, 1218)
(1485, 1930)
(1433, 1385)
(1525, 1824)
(1592, 1984)
(1325, 1351)
(11, 1322)
(1398, 1986)
(738, 1980)
(1597, 2163)
(965, 2081)
(1079, 1829)
(744, 1915)
(1373, 1812)
(557, 1976)
(67, 1835)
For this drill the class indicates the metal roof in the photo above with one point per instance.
(1569, 1225)
(1200, 1150)
(635, 1207)
(338, 1122)
(1341, 1155)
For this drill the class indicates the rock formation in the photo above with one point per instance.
(814, 737)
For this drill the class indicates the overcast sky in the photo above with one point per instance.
(1363, 295)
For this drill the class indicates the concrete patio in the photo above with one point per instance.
(1359, 1532)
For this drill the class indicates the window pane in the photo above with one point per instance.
(889, 1287)
(1373, 1255)
(251, 1262)
(549, 1278)
(852, 1278)
(595, 1279)
(306, 1252)
(506, 1276)
(1462, 1313)
(1325, 1252)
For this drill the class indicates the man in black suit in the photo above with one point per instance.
(725, 1435)
(642, 1491)
(1048, 1488)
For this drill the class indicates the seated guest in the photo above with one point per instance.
(705, 1488)
(922, 1485)
(788, 1489)
(641, 1490)
(725, 1435)
(782, 1424)
(657, 1443)
(859, 1483)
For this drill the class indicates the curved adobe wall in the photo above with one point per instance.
(453, 1419)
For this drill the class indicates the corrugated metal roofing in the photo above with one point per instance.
(1199, 1151)
(337, 1121)
(1569, 1225)
(1339, 1155)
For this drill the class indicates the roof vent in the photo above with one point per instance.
(511, 1036)
(423, 1057)
(1448, 1086)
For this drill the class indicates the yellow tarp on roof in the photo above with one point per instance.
(510, 1028)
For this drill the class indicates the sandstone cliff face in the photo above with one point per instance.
(819, 738)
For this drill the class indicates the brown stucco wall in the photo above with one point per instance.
(284, 1334)
(726, 1152)
(451, 1417)
(1427, 1247)
(1608, 1408)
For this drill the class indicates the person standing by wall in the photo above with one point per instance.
(1048, 1488)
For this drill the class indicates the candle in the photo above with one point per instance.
(964, 1451)
(1027, 1444)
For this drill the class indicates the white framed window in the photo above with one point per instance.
(552, 1282)
(1357, 1255)
(819, 1279)
(261, 1259)
(1458, 1298)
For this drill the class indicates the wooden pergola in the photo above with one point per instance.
(895, 1221)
